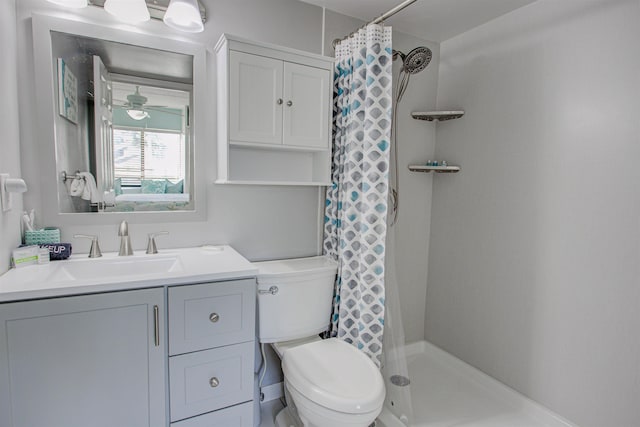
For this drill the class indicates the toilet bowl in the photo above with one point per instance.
(328, 383)
(333, 384)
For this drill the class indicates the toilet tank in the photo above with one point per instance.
(301, 297)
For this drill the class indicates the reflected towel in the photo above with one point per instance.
(90, 191)
(77, 187)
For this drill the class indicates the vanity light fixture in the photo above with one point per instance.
(184, 15)
(76, 4)
(129, 11)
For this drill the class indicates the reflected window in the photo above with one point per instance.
(150, 143)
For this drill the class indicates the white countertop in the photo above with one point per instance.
(188, 265)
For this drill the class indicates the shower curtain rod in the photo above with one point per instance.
(379, 19)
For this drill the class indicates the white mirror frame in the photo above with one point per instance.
(46, 105)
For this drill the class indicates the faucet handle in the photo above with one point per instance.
(94, 251)
(123, 229)
(151, 244)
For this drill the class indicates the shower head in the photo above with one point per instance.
(417, 60)
(414, 61)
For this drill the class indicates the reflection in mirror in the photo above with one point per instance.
(130, 147)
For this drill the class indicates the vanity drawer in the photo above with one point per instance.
(207, 380)
(236, 416)
(211, 315)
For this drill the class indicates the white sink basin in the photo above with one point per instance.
(82, 275)
(117, 267)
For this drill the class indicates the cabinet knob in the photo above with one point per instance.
(289, 103)
(279, 101)
(214, 317)
(214, 382)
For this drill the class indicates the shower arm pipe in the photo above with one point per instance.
(379, 19)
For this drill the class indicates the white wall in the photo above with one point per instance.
(260, 221)
(9, 141)
(534, 267)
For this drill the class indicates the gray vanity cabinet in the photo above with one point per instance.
(211, 348)
(95, 360)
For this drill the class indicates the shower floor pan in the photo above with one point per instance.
(447, 392)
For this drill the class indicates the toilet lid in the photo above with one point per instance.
(336, 375)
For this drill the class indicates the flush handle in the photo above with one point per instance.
(214, 382)
(272, 290)
(214, 317)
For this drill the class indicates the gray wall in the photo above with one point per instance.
(9, 142)
(534, 266)
(269, 222)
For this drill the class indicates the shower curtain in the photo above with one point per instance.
(356, 203)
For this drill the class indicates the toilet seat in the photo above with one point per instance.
(334, 374)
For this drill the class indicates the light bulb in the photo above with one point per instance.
(184, 15)
(76, 4)
(129, 11)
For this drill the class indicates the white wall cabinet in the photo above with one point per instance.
(96, 360)
(274, 114)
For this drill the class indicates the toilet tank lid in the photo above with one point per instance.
(295, 266)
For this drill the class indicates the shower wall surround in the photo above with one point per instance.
(533, 267)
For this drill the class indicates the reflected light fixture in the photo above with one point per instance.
(136, 114)
(184, 15)
(129, 11)
(76, 4)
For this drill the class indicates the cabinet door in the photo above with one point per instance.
(255, 99)
(83, 361)
(307, 106)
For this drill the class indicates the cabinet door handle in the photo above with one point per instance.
(214, 317)
(279, 101)
(156, 324)
(214, 382)
(289, 103)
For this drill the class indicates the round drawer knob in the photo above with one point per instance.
(289, 103)
(214, 382)
(214, 317)
(279, 101)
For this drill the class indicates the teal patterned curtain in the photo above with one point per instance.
(356, 205)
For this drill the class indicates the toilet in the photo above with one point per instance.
(328, 383)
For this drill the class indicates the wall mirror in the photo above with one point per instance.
(122, 111)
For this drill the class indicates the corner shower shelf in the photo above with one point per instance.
(439, 116)
(435, 169)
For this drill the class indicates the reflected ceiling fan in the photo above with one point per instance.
(136, 106)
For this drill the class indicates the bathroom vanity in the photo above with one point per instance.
(147, 340)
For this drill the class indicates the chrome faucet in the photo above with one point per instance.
(125, 240)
